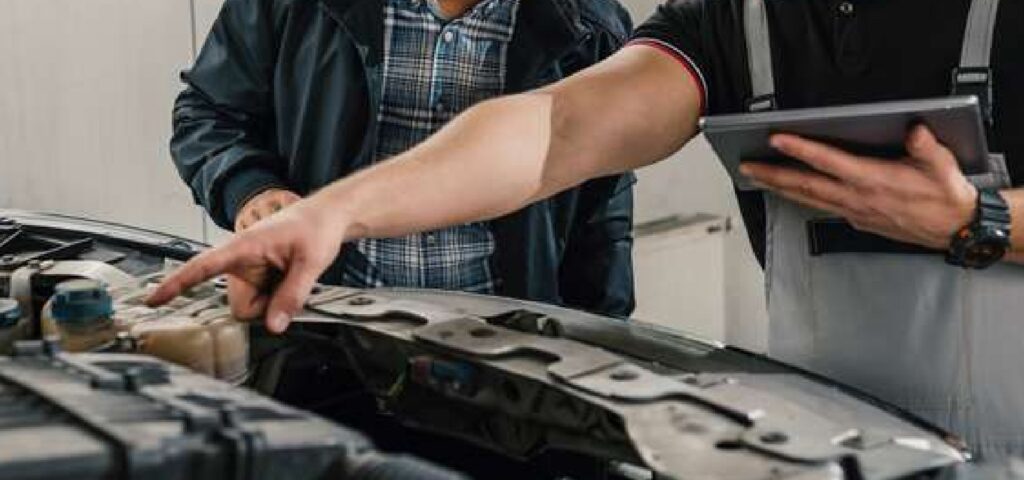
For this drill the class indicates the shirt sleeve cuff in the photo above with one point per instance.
(242, 186)
(695, 73)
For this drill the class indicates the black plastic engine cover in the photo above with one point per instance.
(116, 416)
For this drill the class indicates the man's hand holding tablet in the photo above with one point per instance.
(877, 130)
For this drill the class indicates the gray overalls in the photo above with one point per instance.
(943, 342)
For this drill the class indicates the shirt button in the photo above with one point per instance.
(439, 107)
(846, 8)
(449, 36)
(431, 239)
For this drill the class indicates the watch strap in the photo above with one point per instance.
(985, 240)
(993, 209)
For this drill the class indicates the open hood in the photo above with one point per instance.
(521, 378)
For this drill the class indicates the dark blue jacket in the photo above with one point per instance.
(285, 94)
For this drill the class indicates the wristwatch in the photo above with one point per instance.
(985, 240)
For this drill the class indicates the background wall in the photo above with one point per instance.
(85, 88)
(85, 102)
(693, 181)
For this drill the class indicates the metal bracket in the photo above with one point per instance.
(808, 437)
(804, 434)
(685, 425)
(357, 304)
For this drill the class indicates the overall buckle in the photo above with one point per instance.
(763, 103)
(976, 81)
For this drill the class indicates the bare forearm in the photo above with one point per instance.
(506, 153)
(1015, 197)
(472, 170)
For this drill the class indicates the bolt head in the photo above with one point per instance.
(774, 438)
(361, 301)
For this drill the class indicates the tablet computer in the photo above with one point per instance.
(873, 129)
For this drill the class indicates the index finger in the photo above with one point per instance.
(203, 267)
(822, 157)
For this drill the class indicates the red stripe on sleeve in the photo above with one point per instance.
(688, 65)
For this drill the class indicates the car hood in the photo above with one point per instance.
(477, 368)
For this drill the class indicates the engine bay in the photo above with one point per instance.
(493, 387)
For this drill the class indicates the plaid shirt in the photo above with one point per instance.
(433, 69)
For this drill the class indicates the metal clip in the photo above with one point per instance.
(763, 103)
(976, 81)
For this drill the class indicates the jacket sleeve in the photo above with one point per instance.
(596, 274)
(223, 120)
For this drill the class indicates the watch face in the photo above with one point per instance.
(987, 238)
(987, 247)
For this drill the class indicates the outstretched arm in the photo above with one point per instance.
(635, 108)
(632, 110)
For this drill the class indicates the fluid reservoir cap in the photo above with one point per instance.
(10, 312)
(81, 302)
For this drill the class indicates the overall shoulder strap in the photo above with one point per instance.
(974, 74)
(972, 77)
(759, 56)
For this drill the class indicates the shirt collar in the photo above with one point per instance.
(482, 9)
(366, 16)
(545, 30)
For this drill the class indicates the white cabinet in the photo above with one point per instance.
(680, 274)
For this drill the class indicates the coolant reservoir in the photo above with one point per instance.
(231, 341)
(13, 325)
(199, 333)
(178, 340)
(80, 312)
(195, 330)
(217, 346)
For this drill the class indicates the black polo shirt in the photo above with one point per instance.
(834, 52)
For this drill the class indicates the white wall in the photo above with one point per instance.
(693, 181)
(85, 91)
(85, 96)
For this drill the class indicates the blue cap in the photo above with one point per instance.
(10, 312)
(81, 302)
